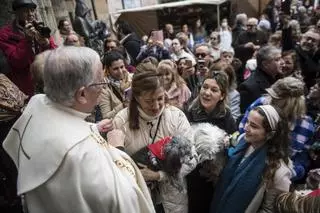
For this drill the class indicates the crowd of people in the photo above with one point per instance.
(74, 122)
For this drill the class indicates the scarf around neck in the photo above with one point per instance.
(239, 181)
(149, 118)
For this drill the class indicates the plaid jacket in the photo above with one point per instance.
(300, 136)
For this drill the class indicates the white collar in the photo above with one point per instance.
(148, 118)
(70, 110)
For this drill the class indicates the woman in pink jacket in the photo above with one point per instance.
(177, 91)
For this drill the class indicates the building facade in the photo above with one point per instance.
(52, 11)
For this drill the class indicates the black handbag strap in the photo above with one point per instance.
(157, 129)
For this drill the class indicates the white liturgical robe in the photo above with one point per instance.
(65, 166)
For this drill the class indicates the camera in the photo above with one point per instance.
(201, 64)
(42, 29)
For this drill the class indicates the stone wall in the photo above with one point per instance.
(5, 12)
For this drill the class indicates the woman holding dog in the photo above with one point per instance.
(259, 168)
(148, 119)
(209, 107)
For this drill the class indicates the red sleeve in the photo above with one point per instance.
(16, 48)
(315, 193)
(52, 45)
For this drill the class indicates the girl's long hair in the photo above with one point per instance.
(169, 66)
(278, 146)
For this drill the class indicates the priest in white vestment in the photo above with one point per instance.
(64, 165)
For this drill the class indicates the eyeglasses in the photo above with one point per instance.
(202, 55)
(251, 25)
(215, 73)
(213, 38)
(103, 83)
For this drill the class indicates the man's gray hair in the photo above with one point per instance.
(266, 53)
(66, 70)
(241, 18)
(202, 45)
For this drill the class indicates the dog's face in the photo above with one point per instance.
(178, 152)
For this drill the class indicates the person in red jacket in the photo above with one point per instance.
(20, 41)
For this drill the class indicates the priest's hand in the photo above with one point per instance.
(116, 138)
(105, 125)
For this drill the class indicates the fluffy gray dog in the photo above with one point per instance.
(177, 156)
(204, 144)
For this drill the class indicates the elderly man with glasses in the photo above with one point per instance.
(64, 164)
(307, 50)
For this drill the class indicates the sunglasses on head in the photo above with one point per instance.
(215, 73)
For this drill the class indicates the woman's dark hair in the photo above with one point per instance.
(151, 34)
(278, 145)
(296, 65)
(124, 27)
(229, 70)
(61, 23)
(178, 62)
(141, 82)
(110, 57)
(222, 80)
(108, 40)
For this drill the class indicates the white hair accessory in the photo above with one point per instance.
(272, 115)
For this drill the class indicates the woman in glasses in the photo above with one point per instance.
(210, 106)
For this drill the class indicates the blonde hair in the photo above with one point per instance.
(288, 94)
(292, 203)
(169, 66)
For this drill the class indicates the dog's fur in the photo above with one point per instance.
(204, 144)
(209, 142)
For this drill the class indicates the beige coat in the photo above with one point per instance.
(65, 166)
(173, 121)
(109, 103)
(264, 200)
